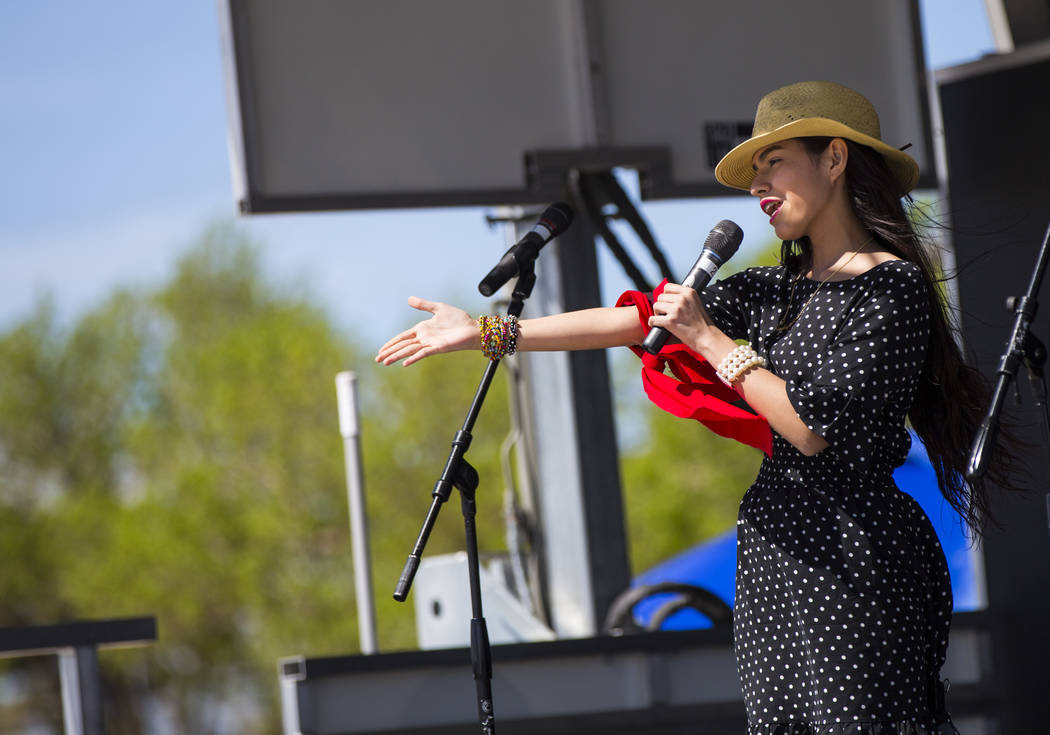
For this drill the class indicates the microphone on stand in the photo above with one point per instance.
(721, 243)
(554, 221)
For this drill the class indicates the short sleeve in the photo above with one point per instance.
(872, 364)
(725, 305)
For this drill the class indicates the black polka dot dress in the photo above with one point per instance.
(843, 599)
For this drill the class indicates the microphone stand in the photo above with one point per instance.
(1023, 346)
(460, 474)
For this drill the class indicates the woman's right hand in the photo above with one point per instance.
(447, 330)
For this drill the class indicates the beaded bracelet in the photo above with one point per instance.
(499, 335)
(739, 360)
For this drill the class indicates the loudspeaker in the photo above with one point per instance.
(996, 115)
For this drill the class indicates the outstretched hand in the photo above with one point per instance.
(447, 330)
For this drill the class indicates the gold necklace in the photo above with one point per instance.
(791, 296)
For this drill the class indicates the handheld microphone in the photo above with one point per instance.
(554, 221)
(721, 243)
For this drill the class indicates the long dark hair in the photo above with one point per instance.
(952, 396)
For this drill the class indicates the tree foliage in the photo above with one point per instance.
(176, 453)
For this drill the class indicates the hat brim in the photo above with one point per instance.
(735, 169)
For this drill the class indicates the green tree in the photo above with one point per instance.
(175, 452)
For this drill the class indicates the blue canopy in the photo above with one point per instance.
(712, 564)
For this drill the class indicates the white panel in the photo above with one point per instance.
(441, 598)
(362, 97)
(361, 103)
(675, 65)
(559, 483)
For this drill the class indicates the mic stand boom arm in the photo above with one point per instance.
(460, 474)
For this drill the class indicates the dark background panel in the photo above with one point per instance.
(995, 122)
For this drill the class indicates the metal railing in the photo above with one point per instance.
(76, 644)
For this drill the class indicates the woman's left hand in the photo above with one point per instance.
(679, 310)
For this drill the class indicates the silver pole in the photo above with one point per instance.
(69, 676)
(346, 396)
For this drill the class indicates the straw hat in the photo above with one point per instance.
(814, 109)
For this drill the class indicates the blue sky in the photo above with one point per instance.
(113, 141)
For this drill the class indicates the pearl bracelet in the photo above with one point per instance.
(739, 360)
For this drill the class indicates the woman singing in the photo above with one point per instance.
(843, 600)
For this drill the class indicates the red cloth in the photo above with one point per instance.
(695, 390)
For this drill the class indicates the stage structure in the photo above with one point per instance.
(410, 103)
(338, 105)
(672, 683)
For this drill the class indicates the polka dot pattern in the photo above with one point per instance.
(843, 599)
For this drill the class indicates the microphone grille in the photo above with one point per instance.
(724, 239)
(557, 218)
